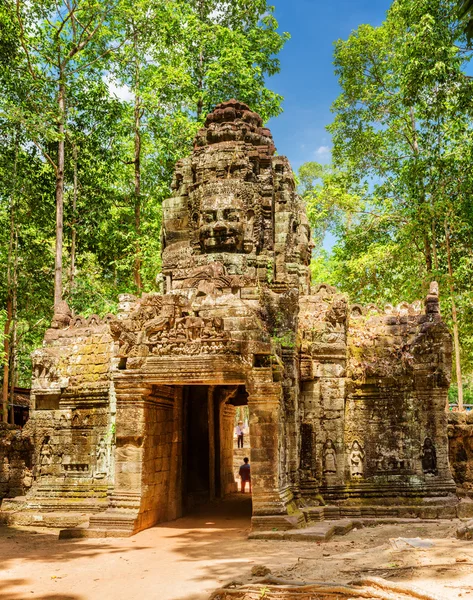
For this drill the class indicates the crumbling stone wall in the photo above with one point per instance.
(72, 421)
(460, 450)
(15, 462)
(374, 391)
(399, 364)
(323, 332)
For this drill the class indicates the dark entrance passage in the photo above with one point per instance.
(197, 441)
(208, 443)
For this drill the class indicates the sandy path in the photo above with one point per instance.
(190, 557)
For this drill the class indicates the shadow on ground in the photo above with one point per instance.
(7, 592)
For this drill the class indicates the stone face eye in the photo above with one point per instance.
(209, 217)
(231, 216)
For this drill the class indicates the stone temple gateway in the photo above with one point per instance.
(133, 414)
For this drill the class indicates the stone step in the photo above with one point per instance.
(92, 532)
(321, 532)
(31, 518)
(325, 530)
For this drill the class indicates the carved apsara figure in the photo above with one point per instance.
(46, 456)
(5, 470)
(357, 456)
(330, 458)
(429, 457)
(101, 460)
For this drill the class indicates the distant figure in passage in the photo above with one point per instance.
(245, 474)
(240, 430)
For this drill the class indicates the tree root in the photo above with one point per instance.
(274, 588)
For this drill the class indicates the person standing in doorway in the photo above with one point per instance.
(245, 474)
(240, 431)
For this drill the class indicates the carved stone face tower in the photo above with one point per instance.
(235, 205)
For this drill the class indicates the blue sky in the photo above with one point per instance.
(307, 80)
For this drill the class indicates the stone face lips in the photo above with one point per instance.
(345, 401)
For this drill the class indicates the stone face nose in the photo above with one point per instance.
(219, 226)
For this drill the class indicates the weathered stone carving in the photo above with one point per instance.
(163, 325)
(330, 458)
(46, 457)
(15, 462)
(429, 457)
(357, 457)
(62, 316)
(101, 465)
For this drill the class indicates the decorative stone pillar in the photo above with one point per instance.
(148, 457)
(271, 504)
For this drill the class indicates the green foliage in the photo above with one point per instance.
(287, 340)
(270, 271)
(467, 395)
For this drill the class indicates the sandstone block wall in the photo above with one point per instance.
(16, 453)
(72, 421)
(460, 450)
(156, 464)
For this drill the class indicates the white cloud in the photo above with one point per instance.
(322, 151)
(122, 92)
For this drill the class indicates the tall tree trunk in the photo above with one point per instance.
(6, 352)
(73, 228)
(7, 331)
(14, 330)
(456, 337)
(200, 101)
(60, 192)
(434, 246)
(137, 168)
(421, 192)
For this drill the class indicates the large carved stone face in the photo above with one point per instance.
(222, 224)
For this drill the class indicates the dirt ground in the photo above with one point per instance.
(190, 557)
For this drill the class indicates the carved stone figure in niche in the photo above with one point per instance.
(5, 470)
(222, 224)
(429, 457)
(330, 458)
(46, 456)
(357, 456)
(101, 460)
